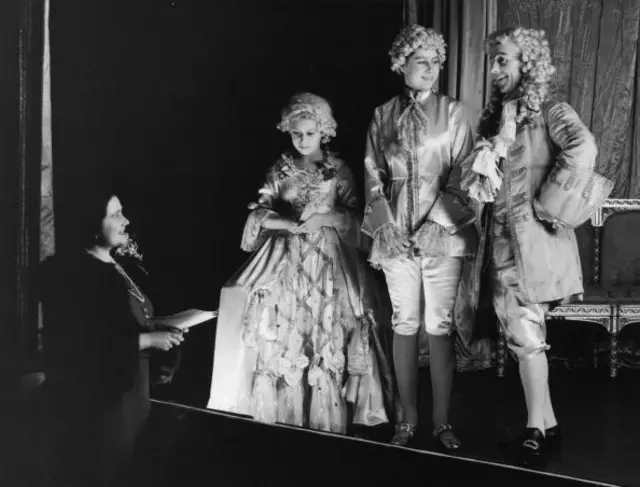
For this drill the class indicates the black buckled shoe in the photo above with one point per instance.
(532, 451)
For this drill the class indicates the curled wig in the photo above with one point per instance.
(412, 38)
(307, 106)
(536, 70)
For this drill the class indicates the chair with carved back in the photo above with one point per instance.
(611, 273)
(621, 267)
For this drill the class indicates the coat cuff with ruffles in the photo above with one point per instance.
(571, 197)
(376, 213)
(386, 245)
(254, 235)
(433, 240)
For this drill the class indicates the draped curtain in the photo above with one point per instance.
(464, 25)
(47, 227)
(47, 240)
(594, 45)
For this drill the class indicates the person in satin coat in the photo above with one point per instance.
(531, 177)
(420, 222)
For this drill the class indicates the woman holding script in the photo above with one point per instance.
(99, 332)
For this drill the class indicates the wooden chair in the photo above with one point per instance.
(611, 306)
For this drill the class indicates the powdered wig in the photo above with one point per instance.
(536, 70)
(412, 38)
(307, 106)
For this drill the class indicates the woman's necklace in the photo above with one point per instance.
(133, 289)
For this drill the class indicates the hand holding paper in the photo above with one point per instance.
(185, 319)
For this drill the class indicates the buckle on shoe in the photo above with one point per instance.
(406, 427)
(404, 433)
(441, 429)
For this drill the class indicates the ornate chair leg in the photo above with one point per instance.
(501, 354)
(613, 356)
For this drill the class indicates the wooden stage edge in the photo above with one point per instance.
(410, 454)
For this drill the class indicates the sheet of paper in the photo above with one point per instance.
(185, 319)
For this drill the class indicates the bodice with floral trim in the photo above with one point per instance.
(302, 187)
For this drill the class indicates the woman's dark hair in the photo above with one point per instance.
(88, 213)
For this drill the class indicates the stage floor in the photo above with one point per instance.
(192, 447)
(598, 414)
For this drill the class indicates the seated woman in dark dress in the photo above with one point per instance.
(97, 338)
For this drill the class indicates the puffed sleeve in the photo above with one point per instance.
(452, 208)
(572, 191)
(254, 235)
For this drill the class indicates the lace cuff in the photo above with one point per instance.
(386, 245)
(254, 235)
(572, 197)
(433, 240)
(484, 179)
(376, 214)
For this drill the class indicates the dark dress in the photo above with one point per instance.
(96, 377)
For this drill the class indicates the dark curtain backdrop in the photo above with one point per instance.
(594, 45)
(175, 105)
(12, 337)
